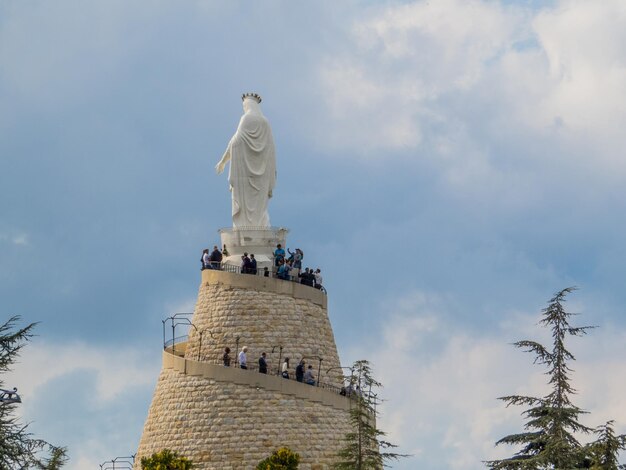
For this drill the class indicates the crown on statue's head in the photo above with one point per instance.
(251, 95)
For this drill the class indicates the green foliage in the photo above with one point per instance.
(362, 450)
(58, 458)
(281, 459)
(165, 460)
(18, 449)
(548, 441)
(603, 453)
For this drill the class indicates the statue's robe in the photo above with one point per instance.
(252, 173)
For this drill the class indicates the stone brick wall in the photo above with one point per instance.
(231, 419)
(223, 426)
(256, 310)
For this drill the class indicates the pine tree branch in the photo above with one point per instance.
(543, 355)
(513, 400)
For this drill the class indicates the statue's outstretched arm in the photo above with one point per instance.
(219, 168)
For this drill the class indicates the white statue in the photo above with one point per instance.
(252, 173)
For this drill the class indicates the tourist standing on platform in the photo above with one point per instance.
(318, 278)
(252, 264)
(216, 258)
(282, 270)
(263, 363)
(226, 357)
(288, 270)
(279, 255)
(243, 360)
(297, 258)
(308, 376)
(246, 265)
(205, 260)
(307, 278)
(285, 369)
(300, 371)
(297, 262)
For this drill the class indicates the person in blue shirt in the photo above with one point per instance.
(279, 255)
(282, 270)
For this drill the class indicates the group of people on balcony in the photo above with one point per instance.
(213, 260)
(248, 264)
(286, 268)
(301, 375)
(291, 268)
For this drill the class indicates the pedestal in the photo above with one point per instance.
(259, 241)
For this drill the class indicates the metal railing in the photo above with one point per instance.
(174, 341)
(319, 369)
(182, 319)
(9, 396)
(271, 273)
(261, 228)
(280, 357)
(119, 463)
(253, 367)
(176, 321)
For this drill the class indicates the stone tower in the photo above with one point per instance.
(227, 417)
(230, 418)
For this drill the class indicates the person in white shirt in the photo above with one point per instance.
(318, 278)
(206, 260)
(285, 369)
(243, 358)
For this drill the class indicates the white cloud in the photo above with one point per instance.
(21, 239)
(442, 383)
(102, 419)
(116, 369)
(447, 80)
(583, 42)
(384, 88)
(449, 40)
(15, 237)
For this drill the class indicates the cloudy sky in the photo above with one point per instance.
(448, 164)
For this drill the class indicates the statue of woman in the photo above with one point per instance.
(252, 173)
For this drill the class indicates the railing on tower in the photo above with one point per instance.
(261, 272)
(119, 463)
(319, 368)
(9, 396)
(350, 387)
(174, 325)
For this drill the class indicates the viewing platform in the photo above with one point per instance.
(325, 395)
(261, 283)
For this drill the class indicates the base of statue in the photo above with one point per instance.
(259, 241)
